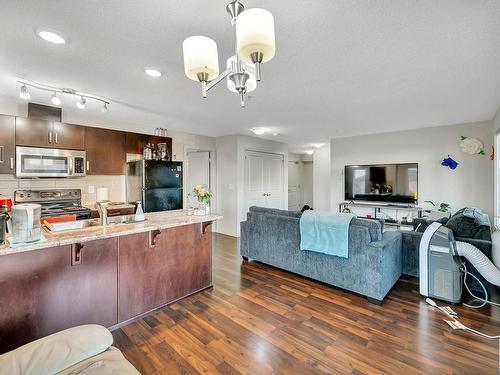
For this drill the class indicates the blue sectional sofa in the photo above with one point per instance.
(374, 264)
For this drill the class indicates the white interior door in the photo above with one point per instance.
(294, 185)
(264, 180)
(307, 183)
(273, 168)
(254, 180)
(198, 172)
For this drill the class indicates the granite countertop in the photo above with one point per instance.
(155, 220)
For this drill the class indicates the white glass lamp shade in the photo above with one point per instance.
(200, 56)
(255, 33)
(251, 83)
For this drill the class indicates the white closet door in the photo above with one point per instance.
(264, 180)
(255, 194)
(273, 168)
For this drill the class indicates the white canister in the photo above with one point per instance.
(102, 194)
(26, 222)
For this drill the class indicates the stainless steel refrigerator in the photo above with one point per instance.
(157, 184)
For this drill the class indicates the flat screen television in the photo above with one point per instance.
(393, 183)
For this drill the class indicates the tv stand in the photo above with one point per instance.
(377, 207)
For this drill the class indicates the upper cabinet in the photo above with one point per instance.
(69, 136)
(106, 153)
(44, 133)
(136, 142)
(7, 144)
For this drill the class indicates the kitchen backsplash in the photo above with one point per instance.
(88, 185)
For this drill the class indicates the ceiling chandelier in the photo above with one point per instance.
(255, 44)
(56, 100)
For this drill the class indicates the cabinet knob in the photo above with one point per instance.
(11, 163)
(1, 154)
(88, 165)
(55, 137)
(152, 237)
(50, 137)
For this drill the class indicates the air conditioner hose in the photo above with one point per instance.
(482, 264)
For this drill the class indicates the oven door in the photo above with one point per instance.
(42, 162)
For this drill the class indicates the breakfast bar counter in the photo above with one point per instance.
(107, 275)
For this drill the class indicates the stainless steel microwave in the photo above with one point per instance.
(34, 162)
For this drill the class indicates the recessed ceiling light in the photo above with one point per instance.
(259, 131)
(152, 72)
(51, 37)
(317, 145)
(309, 152)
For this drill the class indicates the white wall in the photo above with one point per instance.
(231, 179)
(496, 121)
(471, 184)
(322, 178)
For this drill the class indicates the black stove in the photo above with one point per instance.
(55, 202)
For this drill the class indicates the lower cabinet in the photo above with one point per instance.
(159, 267)
(47, 290)
(102, 282)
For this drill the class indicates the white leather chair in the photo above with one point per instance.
(79, 350)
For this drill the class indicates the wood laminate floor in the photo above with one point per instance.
(261, 320)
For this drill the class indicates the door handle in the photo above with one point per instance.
(55, 137)
(50, 137)
(88, 165)
(1, 154)
(11, 163)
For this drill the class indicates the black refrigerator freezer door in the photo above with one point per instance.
(162, 174)
(162, 199)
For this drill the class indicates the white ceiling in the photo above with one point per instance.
(342, 67)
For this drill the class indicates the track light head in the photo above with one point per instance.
(81, 103)
(23, 93)
(55, 99)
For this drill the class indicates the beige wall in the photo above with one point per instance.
(471, 184)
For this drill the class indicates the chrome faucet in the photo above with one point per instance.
(102, 207)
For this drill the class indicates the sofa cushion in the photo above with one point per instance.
(275, 211)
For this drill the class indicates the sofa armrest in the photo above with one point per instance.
(244, 238)
(54, 353)
(383, 264)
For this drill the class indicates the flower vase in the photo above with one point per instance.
(203, 209)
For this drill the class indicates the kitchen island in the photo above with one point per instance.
(106, 275)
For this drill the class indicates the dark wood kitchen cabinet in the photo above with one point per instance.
(160, 267)
(136, 142)
(7, 144)
(47, 290)
(34, 132)
(44, 133)
(106, 154)
(69, 136)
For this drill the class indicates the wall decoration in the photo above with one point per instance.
(492, 154)
(471, 146)
(449, 162)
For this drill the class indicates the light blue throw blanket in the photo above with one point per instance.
(325, 232)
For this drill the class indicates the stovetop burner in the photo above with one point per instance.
(55, 202)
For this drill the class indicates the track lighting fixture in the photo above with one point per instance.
(55, 98)
(23, 93)
(81, 104)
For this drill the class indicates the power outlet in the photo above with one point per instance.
(91, 189)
